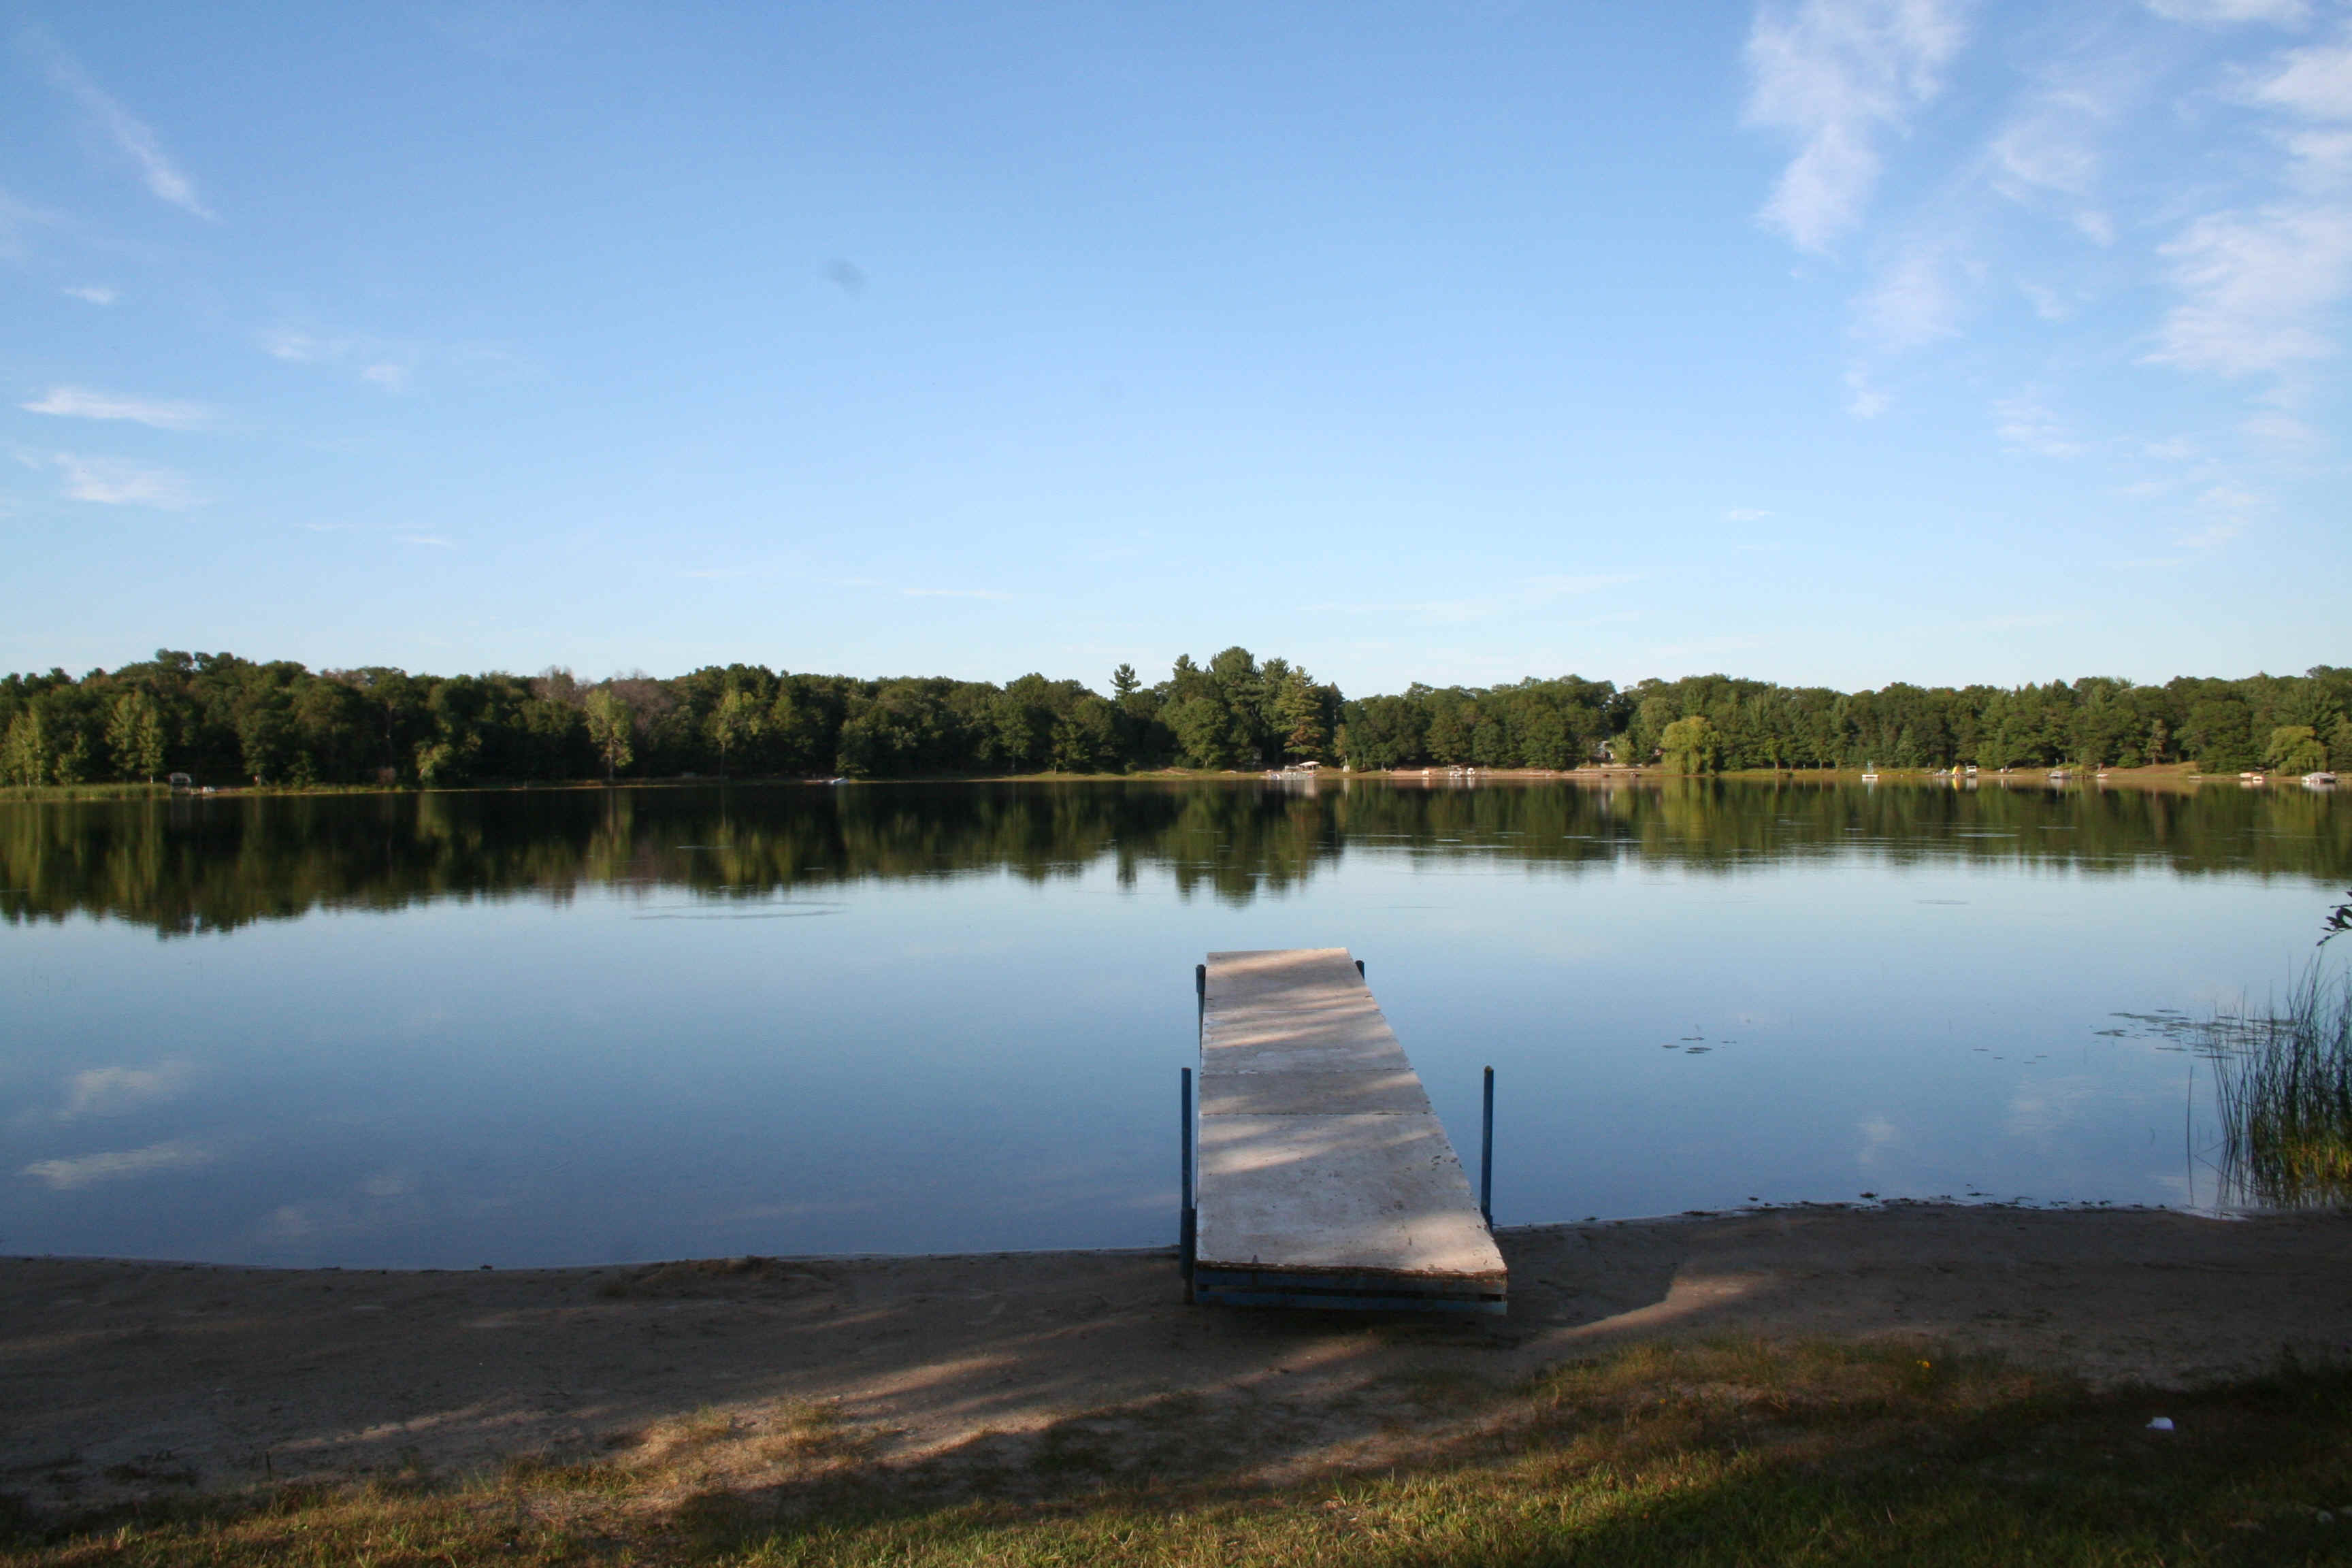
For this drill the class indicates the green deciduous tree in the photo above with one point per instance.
(1691, 746)
(24, 752)
(734, 718)
(2294, 749)
(134, 735)
(611, 729)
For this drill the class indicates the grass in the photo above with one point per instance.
(84, 792)
(2284, 1087)
(1730, 1453)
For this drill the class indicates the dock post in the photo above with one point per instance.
(1188, 1221)
(1487, 1155)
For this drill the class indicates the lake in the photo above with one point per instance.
(592, 1026)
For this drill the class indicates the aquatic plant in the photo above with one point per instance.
(2284, 1083)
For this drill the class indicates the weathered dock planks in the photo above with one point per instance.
(1324, 1177)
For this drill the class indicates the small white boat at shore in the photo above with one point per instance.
(2321, 780)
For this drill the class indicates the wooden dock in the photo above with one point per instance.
(1324, 1177)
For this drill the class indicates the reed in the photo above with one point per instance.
(2283, 1084)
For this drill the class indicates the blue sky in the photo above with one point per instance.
(1841, 341)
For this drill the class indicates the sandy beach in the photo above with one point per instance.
(125, 1379)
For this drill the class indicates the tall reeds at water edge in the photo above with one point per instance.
(2284, 1081)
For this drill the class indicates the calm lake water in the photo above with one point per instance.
(591, 1026)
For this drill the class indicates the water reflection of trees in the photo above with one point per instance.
(196, 864)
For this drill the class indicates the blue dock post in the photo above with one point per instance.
(1487, 1155)
(1188, 1228)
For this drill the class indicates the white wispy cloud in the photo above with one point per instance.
(118, 1164)
(1841, 76)
(2224, 13)
(2255, 288)
(110, 481)
(2315, 83)
(2049, 153)
(953, 594)
(433, 540)
(1915, 301)
(81, 402)
(2274, 428)
(1746, 514)
(2046, 303)
(118, 1090)
(1863, 399)
(1531, 594)
(2212, 536)
(302, 347)
(386, 363)
(2023, 425)
(16, 218)
(2258, 289)
(91, 293)
(133, 136)
(2231, 507)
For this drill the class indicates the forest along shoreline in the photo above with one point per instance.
(132, 1380)
(219, 721)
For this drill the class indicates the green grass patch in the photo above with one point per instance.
(2285, 1085)
(1730, 1453)
(84, 792)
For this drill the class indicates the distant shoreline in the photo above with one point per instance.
(2179, 777)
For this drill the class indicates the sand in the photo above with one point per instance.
(123, 1379)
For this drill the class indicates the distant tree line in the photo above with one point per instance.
(221, 719)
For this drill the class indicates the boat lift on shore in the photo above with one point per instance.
(1323, 1178)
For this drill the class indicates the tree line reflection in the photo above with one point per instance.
(194, 864)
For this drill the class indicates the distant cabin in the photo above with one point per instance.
(179, 781)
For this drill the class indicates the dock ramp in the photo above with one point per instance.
(1324, 1178)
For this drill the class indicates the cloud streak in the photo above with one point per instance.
(1841, 76)
(119, 1090)
(16, 219)
(116, 1165)
(132, 136)
(110, 481)
(81, 402)
(2258, 289)
(1533, 592)
(2229, 12)
(2023, 425)
(1915, 302)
